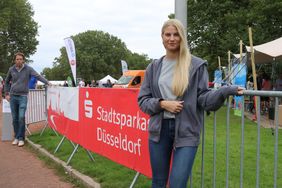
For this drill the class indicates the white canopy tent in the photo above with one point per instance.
(106, 78)
(267, 52)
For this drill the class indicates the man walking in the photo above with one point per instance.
(16, 91)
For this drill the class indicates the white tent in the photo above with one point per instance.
(267, 52)
(108, 77)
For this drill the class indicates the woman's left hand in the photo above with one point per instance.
(240, 90)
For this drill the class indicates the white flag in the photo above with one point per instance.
(123, 66)
(71, 55)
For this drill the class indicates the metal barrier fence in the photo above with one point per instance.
(36, 107)
(258, 94)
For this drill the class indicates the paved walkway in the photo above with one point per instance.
(21, 168)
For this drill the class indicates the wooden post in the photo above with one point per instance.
(253, 59)
(219, 64)
(229, 75)
(229, 66)
(253, 67)
(241, 51)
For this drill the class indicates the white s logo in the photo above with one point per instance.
(88, 107)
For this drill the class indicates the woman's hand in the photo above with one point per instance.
(240, 90)
(172, 106)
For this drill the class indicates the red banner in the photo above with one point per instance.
(110, 123)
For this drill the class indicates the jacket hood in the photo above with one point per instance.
(196, 64)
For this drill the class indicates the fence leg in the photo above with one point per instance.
(59, 145)
(45, 126)
(90, 156)
(54, 131)
(26, 128)
(72, 143)
(72, 154)
(134, 180)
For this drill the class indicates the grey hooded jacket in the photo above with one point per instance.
(16, 82)
(197, 98)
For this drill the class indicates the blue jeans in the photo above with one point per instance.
(160, 157)
(18, 106)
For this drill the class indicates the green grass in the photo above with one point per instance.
(112, 175)
(102, 170)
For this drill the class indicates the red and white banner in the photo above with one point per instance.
(109, 123)
(71, 55)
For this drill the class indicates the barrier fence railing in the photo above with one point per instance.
(258, 94)
(276, 95)
(37, 108)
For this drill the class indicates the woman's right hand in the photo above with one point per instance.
(172, 106)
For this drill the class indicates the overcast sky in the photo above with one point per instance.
(135, 22)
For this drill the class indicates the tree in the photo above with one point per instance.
(214, 27)
(18, 31)
(98, 54)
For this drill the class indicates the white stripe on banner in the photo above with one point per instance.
(36, 106)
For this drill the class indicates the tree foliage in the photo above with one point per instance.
(97, 54)
(18, 31)
(214, 27)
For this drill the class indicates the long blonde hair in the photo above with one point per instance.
(180, 80)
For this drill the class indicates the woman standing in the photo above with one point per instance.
(175, 94)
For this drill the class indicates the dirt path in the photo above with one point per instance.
(21, 168)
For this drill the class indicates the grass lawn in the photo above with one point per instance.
(112, 175)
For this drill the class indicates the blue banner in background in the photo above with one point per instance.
(217, 78)
(239, 79)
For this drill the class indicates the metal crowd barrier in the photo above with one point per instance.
(36, 107)
(258, 94)
(37, 112)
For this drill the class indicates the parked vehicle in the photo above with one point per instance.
(130, 79)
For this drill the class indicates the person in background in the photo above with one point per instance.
(175, 94)
(250, 86)
(93, 83)
(259, 80)
(278, 86)
(278, 83)
(109, 83)
(99, 83)
(32, 82)
(16, 91)
(65, 84)
(266, 86)
(266, 83)
(81, 83)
